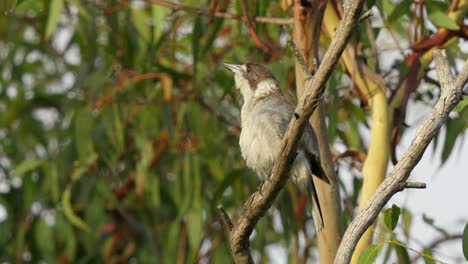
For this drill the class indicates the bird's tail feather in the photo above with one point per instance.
(316, 210)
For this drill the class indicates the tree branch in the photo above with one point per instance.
(248, 20)
(450, 95)
(177, 6)
(259, 202)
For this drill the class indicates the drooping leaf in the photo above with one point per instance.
(84, 123)
(26, 166)
(391, 216)
(442, 20)
(55, 9)
(400, 9)
(369, 255)
(69, 212)
(428, 256)
(29, 5)
(461, 105)
(194, 227)
(435, 6)
(407, 219)
(465, 241)
(44, 236)
(402, 254)
(454, 128)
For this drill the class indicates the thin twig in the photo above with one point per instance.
(189, 9)
(437, 242)
(411, 185)
(224, 215)
(300, 59)
(366, 15)
(248, 20)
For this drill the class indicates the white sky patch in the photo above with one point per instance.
(220, 42)
(68, 80)
(3, 213)
(73, 55)
(62, 37)
(276, 253)
(4, 186)
(276, 221)
(47, 116)
(18, 59)
(33, 57)
(49, 217)
(16, 182)
(184, 58)
(12, 91)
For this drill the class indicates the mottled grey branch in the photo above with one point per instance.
(450, 95)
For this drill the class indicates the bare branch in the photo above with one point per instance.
(250, 25)
(411, 185)
(366, 15)
(300, 59)
(177, 6)
(259, 202)
(450, 95)
(226, 219)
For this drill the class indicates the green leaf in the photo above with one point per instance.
(70, 214)
(369, 255)
(84, 123)
(228, 180)
(461, 105)
(26, 166)
(55, 9)
(65, 236)
(465, 241)
(81, 10)
(407, 219)
(402, 254)
(146, 152)
(44, 238)
(435, 6)
(400, 9)
(83, 167)
(441, 20)
(141, 21)
(198, 32)
(454, 128)
(29, 5)
(428, 252)
(158, 12)
(195, 228)
(391, 216)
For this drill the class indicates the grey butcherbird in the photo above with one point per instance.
(265, 116)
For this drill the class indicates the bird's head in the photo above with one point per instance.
(253, 80)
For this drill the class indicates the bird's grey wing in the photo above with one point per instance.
(279, 111)
(312, 151)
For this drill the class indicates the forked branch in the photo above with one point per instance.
(451, 90)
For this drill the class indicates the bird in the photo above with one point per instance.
(265, 116)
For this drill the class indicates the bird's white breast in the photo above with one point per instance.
(256, 144)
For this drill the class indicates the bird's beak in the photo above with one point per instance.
(235, 68)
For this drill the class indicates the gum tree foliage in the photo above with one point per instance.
(119, 126)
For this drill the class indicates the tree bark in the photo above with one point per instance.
(306, 34)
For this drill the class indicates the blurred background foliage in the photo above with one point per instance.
(119, 126)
